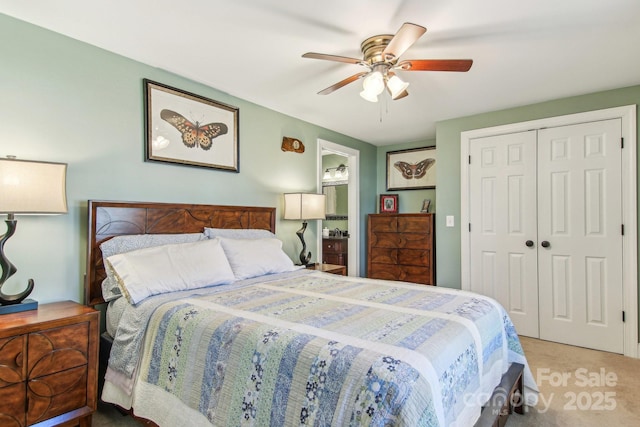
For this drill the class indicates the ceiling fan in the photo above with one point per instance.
(381, 55)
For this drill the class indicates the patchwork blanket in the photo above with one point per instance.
(313, 348)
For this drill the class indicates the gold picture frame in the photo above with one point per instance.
(188, 129)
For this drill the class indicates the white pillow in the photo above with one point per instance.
(128, 243)
(256, 257)
(170, 268)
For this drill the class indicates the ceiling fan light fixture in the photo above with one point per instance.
(396, 86)
(372, 86)
(371, 97)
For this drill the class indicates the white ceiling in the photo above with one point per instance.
(524, 51)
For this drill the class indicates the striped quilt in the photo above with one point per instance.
(319, 349)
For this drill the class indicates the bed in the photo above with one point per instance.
(274, 344)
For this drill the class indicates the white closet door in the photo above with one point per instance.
(502, 189)
(580, 240)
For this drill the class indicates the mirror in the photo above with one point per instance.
(337, 201)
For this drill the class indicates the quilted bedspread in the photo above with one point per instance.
(315, 349)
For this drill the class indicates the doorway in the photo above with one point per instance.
(542, 223)
(352, 158)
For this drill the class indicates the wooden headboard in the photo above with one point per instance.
(109, 219)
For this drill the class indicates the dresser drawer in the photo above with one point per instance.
(54, 350)
(414, 224)
(398, 240)
(56, 394)
(13, 368)
(337, 259)
(405, 273)
(334, 246)
(12, 405)
(383, 223)
(384, 255)
(414, 257)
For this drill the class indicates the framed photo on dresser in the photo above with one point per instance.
(388, 203)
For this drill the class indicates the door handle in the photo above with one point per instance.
(529, 243)
(545, 244)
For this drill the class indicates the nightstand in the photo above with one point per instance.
(330, 268)
(49, 366)
(334, 250)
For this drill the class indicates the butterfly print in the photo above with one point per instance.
(417, 171)
(194, 134)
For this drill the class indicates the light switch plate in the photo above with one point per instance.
(450, 221)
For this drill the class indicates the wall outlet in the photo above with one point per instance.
(450, 221)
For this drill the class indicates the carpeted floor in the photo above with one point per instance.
(578, 387)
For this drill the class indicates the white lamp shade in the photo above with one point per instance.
(304, 206)
(372, 86)
(371, 97)
(30, 187)
(396, 86)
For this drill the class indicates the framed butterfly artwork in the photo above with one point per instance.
(189, 129)
(412, 169)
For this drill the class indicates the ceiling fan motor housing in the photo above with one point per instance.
(373, 48)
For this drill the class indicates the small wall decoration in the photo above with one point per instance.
(426, 204)
(189, 129)
(411, 169)
(388, 203)
(292, 144)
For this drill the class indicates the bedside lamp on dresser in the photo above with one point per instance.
(30, 188)
(304, 206)
(48, 354)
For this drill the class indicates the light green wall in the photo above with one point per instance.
(66, 101)
(409, 201)
(448, 172)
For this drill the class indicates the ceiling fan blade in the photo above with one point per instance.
(435, 65)
(404, 38)
(341, 83)
(336, 58)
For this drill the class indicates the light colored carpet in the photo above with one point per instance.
(582, 399)
(580, 387)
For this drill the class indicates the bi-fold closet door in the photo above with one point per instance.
(545, 230)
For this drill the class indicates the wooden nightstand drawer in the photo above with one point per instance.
(12, 405)
(54, 350)
(334, 246)
(335, 251)
(13, 368)
(56, 394)
(49, 365)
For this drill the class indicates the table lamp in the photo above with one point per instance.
(304, 206)
(27, 188)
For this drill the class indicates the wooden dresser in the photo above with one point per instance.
(401, 247)
(48, 366)
(335, 250)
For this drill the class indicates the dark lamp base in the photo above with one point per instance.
(24, 305)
